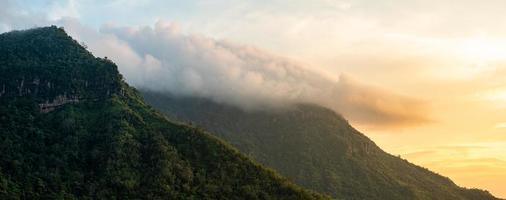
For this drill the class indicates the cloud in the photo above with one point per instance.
(225, 72)
(478, 165)
(59, 10)
(376, 106)
(161, 58)
(14, 16)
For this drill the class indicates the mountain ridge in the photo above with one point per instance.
(316, 148)
(72, 128)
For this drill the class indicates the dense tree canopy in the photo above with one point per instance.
(316, 148)
(70, 127)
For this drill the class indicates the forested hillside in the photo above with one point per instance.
(71, 128)
(316, 148)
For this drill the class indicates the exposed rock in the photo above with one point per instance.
(20, 87)
(36, 81)
(58, 101)
(3, 90)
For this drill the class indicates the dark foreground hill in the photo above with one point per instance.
(316, 148)
(70, 127)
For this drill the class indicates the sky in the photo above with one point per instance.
(422, 78)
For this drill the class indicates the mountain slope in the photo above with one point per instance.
(70, 127)
(316, 148)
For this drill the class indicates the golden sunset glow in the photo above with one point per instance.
(424, 79)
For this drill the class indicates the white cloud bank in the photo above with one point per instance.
(162, 59)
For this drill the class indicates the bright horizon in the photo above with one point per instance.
(441, 64)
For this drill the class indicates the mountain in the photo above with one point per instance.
(71, 128)
(316, 148)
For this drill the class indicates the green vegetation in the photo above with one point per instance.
(99, 140)
(316, 148)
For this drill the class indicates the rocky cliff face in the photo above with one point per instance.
(57, 102)
(43, 91)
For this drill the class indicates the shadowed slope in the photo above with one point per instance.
(316, 148)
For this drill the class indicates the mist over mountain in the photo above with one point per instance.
(165, 59)
(71, 128)
(424, 79)
(316, 148)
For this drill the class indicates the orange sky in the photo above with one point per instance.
(450, 56)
